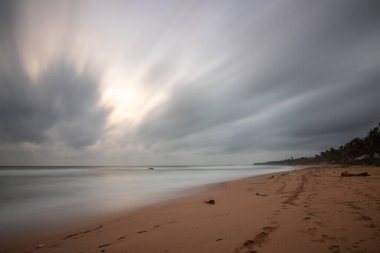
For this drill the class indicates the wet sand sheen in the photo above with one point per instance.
(309, 210)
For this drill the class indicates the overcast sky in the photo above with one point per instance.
(185, 82)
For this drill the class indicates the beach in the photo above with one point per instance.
(306, 210)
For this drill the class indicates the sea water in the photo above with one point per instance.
(40, 197)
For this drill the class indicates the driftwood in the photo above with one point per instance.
(347, 174)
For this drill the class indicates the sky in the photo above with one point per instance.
(185, 82)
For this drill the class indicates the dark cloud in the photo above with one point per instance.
(7, 18)
(61, 105)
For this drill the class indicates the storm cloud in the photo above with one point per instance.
(175, 82)
(62, 106)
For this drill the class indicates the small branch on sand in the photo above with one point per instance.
(84, 232)
(347, 174)
(260, 194)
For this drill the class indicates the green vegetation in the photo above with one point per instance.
(356, 152)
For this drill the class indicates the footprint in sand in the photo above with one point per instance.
(262, 237)
(311, 231)
(334, 249)
(249, 243)
(363, 217)
(258, 240)
(328, 237)
(353, 206)
(370, 225)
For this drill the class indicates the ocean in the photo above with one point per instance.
(48, 197)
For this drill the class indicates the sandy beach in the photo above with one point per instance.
(307, 210)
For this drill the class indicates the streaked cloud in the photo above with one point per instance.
(176, 82)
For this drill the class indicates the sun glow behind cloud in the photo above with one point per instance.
(184, 81)
(129, 99)
(124, 88)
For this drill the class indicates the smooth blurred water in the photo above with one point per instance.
(32, 197)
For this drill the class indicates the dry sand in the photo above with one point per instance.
(308, 210)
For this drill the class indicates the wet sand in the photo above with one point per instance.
(308, 210)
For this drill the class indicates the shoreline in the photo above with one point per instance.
(277, 212)
(35, 232)
(58, 220)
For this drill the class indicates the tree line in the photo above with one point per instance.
(359, 151)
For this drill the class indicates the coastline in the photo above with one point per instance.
(305, 210)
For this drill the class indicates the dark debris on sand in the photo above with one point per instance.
(211, 202)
